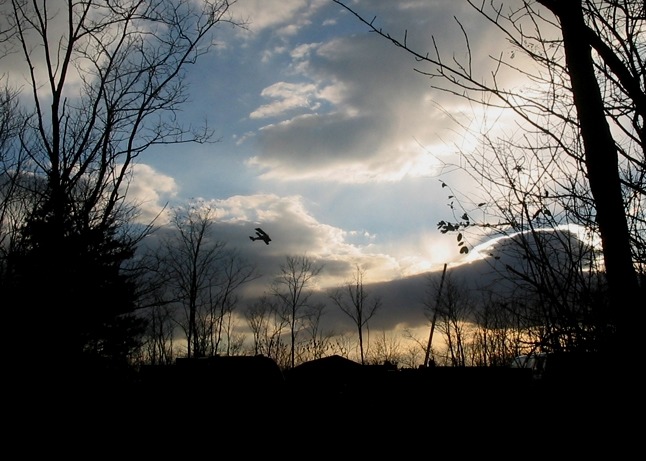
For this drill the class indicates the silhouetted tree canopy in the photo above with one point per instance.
(104, 81)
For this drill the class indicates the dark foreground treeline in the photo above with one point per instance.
(248, 404)
(336, 382)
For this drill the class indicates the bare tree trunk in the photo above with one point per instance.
(358, 308)
(291, 288)
(602, 164)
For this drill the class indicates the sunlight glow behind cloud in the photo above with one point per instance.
(328, 138)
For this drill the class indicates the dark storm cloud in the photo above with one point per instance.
(312, 141)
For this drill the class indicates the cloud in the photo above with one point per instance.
(336, 142)
(350, 108)
(287, 97)
(283, 17)
(295, 231)
(151, 191)
(358, 121)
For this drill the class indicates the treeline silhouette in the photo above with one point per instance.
(335, 382)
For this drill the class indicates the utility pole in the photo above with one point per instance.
(437, 303)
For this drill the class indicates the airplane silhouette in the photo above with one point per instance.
(261, 236)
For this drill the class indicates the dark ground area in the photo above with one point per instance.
(327, 402)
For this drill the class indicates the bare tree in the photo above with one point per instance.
(158, 347)
(292, 288)
(354, 301)
(387, 349)
(451, 317)
(345, 345)
(319, 341)
(155, 305)
(12, 202)
(105, 81)
(204, 277)
(414, 355)
(192, 258)
(267, 326)
(234, 272)
(587, 166)
(497, 336)
(601, 156)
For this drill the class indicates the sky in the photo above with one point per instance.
(328, 140)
